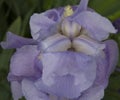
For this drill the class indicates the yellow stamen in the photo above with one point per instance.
(68, 11)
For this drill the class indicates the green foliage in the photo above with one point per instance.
(14, 17)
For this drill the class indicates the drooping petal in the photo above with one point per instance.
(112, 55)
(66, 74)
(14, 41)
(22, 62)
(55, 43)
(31, 92)
(42, 24)
(98, 27)
(16, 90)
(93, 93)
(88, 45)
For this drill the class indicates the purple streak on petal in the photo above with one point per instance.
(98, 27)
(112, 55)
(53, 15)
(16, 90)
(22, 62)
(31, 92)
(67, 74)
(14, 41)
(116, 23)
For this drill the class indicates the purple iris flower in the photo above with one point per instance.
(68, 58)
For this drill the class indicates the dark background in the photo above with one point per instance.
(14, 17)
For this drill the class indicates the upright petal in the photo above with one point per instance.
(16, 90)
(41, 23)
(30, 91)
(14, 41)
(98, 27)
(82, 6)
(22, 62)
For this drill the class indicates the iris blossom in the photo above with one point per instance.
(68, 58)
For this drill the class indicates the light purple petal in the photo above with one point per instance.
(16, 90)
(93, 93)
(67, 74)
(98, 27)
(22, 62)
(106, 63)
(31, 92)
(102, 68)
(112, 55)
(14, 41)
(53, 14)
(82, 6)
(42, 24)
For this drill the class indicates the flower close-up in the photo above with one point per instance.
(69, 56)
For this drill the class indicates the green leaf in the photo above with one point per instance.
(15, 27)
(113, 90)
(25, 24)
(105, 7)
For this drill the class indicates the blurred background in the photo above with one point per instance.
(14, 17)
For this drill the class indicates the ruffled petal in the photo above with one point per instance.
(14, 41)
(16, 90)
(22, 62)
(31, 92)
(44, 24)
(98, 27)
(112, 55)
(106, 64)
(67, 74)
